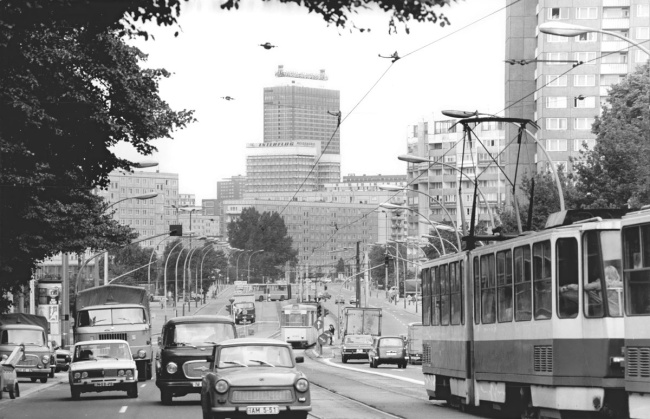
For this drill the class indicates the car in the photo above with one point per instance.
(324, 296)
(339, 300)
(387, 350)
(102, 365)
(353, 300)
(62, 357)
(255, 376)
(244, 312)
(184, 346)
(355, 347)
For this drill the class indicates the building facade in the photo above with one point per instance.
(562, 83)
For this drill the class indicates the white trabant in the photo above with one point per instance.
(102, 365)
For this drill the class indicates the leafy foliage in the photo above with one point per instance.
(254, 232)
(616, 173)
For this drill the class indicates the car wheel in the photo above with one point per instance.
(282, 298)
(142, 371)
(205, 408)
(44, 380)
(75, 393)
(133, 392)
(16, 390)
(404, 365)
(52, 373)
(33, 380)
(344, 359)
(166, 397)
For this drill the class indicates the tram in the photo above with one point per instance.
(297, 325)
(278, 292)
(522, 325)
(636, 279)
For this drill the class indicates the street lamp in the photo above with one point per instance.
(570, 30)
(237, 271)
(248, 281)
(138, 197)
(189, 255)
(436, 237)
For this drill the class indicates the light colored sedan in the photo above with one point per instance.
(102, 365)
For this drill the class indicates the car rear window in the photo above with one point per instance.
(359, 339)
(391, 342)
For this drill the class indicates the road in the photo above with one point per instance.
(338, 391)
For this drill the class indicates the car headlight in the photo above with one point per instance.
(142, 353)
(129, 373)
(120, 373)
(84, 374)
(221, 386)
(46, 359)
(172, 368)
(302, 385)
(77, 375)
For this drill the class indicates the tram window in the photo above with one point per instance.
(637, 274)
(542, 300)
(435, 301)
(444, 295)
(426, 297)
(566, 250)
(488, 308)
(602, 267)
(504, 286)
(456, 303)
(477, 291)
(523, 290)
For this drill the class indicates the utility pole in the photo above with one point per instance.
(358, 281)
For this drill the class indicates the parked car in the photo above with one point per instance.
(255, 376)
(102, 365)
(353, 300)
(387, 350)
(355, 347)
(339, 300)
(185, 345)
(62, 357)
(244, 312)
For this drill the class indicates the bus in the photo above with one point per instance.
(259, 292)
(297, 325)
(278, 292)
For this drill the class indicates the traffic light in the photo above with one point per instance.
(229, 308)
(319, 310)
(386, 260)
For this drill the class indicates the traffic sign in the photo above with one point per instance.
(318, 324)
(323, 339)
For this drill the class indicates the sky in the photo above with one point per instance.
(217, 54)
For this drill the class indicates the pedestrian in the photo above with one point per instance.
(331, 330)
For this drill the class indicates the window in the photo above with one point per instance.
(602, 267)
(556, 38)
(504, 286)
(587, 13)
(555, 13)
(556, 123)
(588, 58)
(477, 291)
(556, 101)
(643, 32)
(522, 280)
(615, 58)
(586, 37)
(641, 57)
(583, 123)
(426, 296)
(609, 79)
(616, 12)
(555, 81)
(455, 282)
(542, 280)
(636, 240)
(611, 38)
(560, 57)
(643, 10)
(585, 102)
(567, 277)
(584, 80)
(556, 145)
(589, 143)
(488, 308)
(444, 295)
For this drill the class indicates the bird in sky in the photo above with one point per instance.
(267, 45)
(227, 97)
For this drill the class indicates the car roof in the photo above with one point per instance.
(253, 341)
(96, 342)
(203, 318)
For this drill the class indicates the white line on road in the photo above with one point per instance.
(410, 380)
(123, 409)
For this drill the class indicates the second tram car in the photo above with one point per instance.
(636, 285)
(297, 325)
(530, 325)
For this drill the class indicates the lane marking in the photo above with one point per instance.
(408, 380)
(123, 409)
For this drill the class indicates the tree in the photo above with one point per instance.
(253, 232)
(130, 258)
(615, 173)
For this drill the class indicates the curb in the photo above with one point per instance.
(40, 387)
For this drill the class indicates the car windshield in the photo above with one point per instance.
(391, 342)
(17, 336)
(255, 356)
(244, 305)
(183, 334)
(107, 316)
(96, 351)
(365, 339)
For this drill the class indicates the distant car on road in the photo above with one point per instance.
(255, 376)
(62, 357)
(340, 300)
(388, 350)
(353, 300)
(355, 347)
(102, 365)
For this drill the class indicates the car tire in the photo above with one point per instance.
(52, 373)
(16, 390)
(43, 380)
(166, 397)
(75, 393)
(344, 359)
(133, 392)
(142, 371)
(32, 379)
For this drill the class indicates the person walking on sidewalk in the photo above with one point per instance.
(331, 333)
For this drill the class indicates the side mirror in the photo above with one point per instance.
(300, 360)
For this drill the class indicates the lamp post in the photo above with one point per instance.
(188, 256)
(232, 250)
(202, 259)
(138, 197)
(397, 258)
(437, 237)
(248, 281)
(237, 271)
(570, 30)
(149, 270)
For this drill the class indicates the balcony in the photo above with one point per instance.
(604, 91)
(616, 23)
(614, 46)
(616, 3)
(613, 68)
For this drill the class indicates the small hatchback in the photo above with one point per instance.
(387, 350)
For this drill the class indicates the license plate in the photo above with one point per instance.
(103, 384)
(359, 351)
(391, 353)
(196, 384)
(262, 410)
(23, 370)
